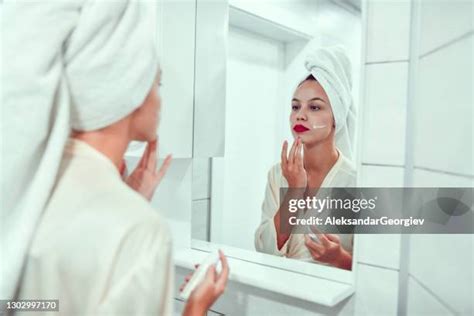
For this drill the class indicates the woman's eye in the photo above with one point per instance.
(315, 108)
(295, 107)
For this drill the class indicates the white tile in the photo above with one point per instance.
(442, 21)
(201, 178)
(388, 30)
(386, 84)
(426, 178)
(380, 249)
(381, 176)
(200, 220)
(421, 302)
(383, 137)
(173, 195)
(444, 264)
(376, 291)
(444, 112)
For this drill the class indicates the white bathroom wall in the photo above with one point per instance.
(382, 130)
(441, 154)
(201, 195)
(440, 277)
(254, 70)
(382, 147)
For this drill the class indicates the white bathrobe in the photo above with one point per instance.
(342, 174)
(100, 248)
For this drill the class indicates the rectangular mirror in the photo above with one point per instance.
(267, 101)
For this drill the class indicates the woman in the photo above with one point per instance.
(322, 122)
(77, 232)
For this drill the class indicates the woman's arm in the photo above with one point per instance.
(295, 174)
(281, 217)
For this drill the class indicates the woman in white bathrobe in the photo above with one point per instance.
(322, 122)
(74, 95)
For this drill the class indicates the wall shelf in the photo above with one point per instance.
(313, 289)
(256, 24)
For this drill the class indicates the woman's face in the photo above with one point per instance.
(146, 118)
(311, 116)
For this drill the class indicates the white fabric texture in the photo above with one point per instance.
(331, 67)
(342, 174)
(100, 248)
(80, 63)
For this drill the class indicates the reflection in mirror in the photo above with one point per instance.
(292, 86)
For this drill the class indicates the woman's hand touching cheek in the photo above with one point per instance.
(292, 165)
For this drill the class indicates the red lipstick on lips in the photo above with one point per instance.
(300, 128)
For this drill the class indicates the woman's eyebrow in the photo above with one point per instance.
(313, 99)
(317, 99)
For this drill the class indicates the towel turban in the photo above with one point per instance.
(331, 67)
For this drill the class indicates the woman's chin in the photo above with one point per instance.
(304, 138)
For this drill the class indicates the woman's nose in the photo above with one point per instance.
(300, 116)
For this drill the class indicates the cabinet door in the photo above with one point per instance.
(176, 41)
(210, 77)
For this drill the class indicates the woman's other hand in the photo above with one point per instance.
(146, 178)
(208, 291)
(292, 165)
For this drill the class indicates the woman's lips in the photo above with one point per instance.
(300, 128)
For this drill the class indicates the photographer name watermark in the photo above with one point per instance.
(377, 210)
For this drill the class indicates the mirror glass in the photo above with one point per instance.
(267, 102)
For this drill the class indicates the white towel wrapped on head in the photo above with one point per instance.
(331, 67)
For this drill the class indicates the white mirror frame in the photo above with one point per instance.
(286, 276)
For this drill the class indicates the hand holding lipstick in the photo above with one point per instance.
(292, 165)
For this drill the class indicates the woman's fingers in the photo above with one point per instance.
(164, 167)
(313, 247)
(211, 274)
(299, 155)
(324, 240)
(144, 160)
(322, 237)
(284, 153)
(297, 150)
(334, 238)
(151, 164)
(224, 275)
(291, 156)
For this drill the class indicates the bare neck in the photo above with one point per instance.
(112, 141)
(320, 157)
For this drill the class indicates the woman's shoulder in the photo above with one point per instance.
(346, 173)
